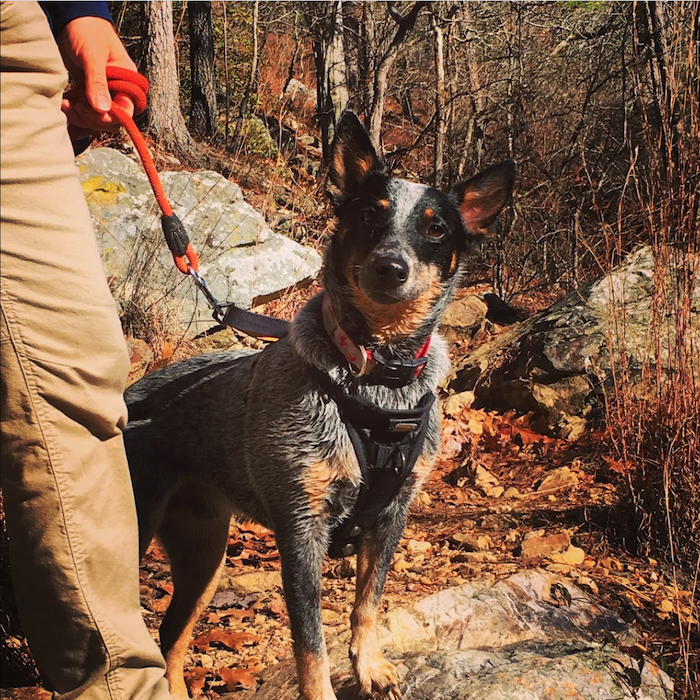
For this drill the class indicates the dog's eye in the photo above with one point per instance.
(368, 215)
(435, 232)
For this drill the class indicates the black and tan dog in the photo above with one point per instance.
(326, 435)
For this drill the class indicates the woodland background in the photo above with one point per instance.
(599, 102)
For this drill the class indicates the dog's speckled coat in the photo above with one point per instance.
(253, 434)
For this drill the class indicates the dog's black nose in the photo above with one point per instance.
(391, 271)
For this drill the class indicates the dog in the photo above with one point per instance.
(326, 435)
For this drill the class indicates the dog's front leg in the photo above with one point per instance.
(374, 674)
(302, 550)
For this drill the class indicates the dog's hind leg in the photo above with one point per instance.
(196, 544)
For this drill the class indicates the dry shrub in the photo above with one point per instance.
(655, 425)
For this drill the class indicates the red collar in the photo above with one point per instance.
(360, 360)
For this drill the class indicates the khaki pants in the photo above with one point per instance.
(67, 494)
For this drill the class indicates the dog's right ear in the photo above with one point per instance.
(353, 156)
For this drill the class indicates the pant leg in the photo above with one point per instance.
(69, 506)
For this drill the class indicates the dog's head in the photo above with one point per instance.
(399, 246)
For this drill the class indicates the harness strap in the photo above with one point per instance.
(387, 444)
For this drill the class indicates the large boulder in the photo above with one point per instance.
(561, 361)
(520, 639)
(242, 260)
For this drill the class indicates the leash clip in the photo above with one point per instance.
(211, 299)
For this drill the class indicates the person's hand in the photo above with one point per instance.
(88, 45)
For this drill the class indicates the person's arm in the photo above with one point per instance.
(60, 14)
(88, 43)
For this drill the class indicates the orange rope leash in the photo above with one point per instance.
(135, 85)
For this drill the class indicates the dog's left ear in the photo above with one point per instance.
(353, 156)
(482, 197)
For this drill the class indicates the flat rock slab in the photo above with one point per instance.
(241, 259)
(507, 641)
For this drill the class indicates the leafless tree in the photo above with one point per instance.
(165, 121)
(203, 101)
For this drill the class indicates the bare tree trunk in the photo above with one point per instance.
(325, 22)
(474, 140)
(335, 62)
(251, 79)
(382, 67)
(164, 118)
(440, 103)
(203, 101)
(226, 78)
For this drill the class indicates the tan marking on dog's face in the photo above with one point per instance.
(314, 675)
(383, 203)
(428, 213)
(454, 262)
(391, 322)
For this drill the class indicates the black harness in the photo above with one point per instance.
(387, 443)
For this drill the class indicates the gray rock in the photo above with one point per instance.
(241, 259)
(509, 641)
(559, 362)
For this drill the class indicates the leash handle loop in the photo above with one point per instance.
(135, 85)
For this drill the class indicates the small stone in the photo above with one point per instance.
(330, 618)
(496, 522)
(511, 492)
(466, 313)
(472, 543)
(572, 556)
(557, 480)
(545, 545)
(418, 547)
(401, 565)
(256, 582)
(483, 557)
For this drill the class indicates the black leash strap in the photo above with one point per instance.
(230, 315)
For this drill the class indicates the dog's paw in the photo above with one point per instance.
(377, 677)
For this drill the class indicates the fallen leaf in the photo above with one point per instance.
(665, 605)
(235, 678)
(195, 678)
(227, 638)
